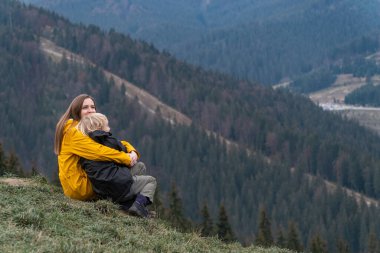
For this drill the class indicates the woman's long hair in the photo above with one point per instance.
(73, 112)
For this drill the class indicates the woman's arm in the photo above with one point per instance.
(130, 148)
(83, 146)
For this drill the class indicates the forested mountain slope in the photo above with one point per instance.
(265, 41)
(283, 130)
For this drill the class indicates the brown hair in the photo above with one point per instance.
(92, 122)
(73, 112)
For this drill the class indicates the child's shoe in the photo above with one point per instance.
(138, 207)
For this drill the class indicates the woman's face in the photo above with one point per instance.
(88, 107)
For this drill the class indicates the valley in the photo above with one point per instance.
(332, 99)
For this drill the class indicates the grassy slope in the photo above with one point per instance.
(37, 217)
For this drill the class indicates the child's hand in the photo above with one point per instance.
(133, 157)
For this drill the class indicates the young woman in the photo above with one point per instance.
(70, 144)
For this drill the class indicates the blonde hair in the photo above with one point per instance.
(92, 122)
(73, 112)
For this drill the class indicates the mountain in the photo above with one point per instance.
(246, 146)
(266, 41)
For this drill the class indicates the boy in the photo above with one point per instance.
(115, 181)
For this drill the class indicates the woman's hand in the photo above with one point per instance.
(133, 157)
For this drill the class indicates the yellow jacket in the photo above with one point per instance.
(74, 180)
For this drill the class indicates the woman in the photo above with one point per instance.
(70, 144)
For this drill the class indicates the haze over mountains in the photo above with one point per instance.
(288, 151)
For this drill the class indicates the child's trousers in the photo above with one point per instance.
(143, 184)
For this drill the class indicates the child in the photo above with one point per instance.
(115, 181)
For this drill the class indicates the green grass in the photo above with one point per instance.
(39, 218)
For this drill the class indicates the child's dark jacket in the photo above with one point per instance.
(109, 180)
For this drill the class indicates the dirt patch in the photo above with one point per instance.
(344, 85)
(16, 181)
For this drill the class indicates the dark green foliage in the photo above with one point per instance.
(313, 82)
(318, 245)
(362, 45)
(367, 95)
(175, 211)
(293, 241)
(207, 226)
(360, 67)
(9, 163)
(158, 206)
(342, 246)
(280, 239)
(373, 243)
(264, 236)
(2, 160)
(13, 165)
(224, 230)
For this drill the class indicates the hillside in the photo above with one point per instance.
(36, 217)
(151, 104)
(283, 130)
(366, 116)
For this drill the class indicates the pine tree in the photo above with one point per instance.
(224, 230)
(281, 240)
(318, 245)
(175, 215)
(13, 165)
(293, 241)
(342, 246)
(35, 172)
(207, 226)
(157, 204)
(373, 243)
(264, 237)
(2, 160)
